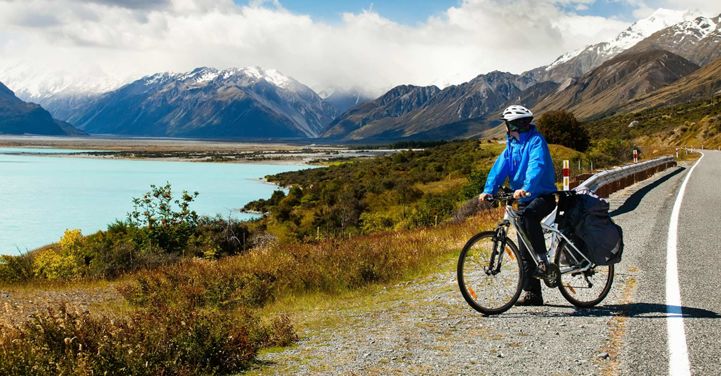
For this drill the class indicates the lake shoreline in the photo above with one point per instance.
(182, 150)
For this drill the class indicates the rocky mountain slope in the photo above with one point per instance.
(701, 84)
(618, 81)
(429, 112)
(211, 103)
(19, 117)
(391, 108)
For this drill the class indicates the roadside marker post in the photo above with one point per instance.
(676, 153)
(566, 175)
(635, 155)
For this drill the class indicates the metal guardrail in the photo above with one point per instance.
(606, 182)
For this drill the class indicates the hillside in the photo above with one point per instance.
(611, 86)
(703, 83)
(18, 117)
(693, 124)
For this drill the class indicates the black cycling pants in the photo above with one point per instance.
(531, 215)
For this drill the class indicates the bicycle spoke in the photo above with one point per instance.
(490, 287)
(583, 288)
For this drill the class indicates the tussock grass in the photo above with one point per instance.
(330, 266)
(212, 316)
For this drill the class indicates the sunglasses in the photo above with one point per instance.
(518, 124)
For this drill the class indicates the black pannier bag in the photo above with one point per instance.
(584, 218)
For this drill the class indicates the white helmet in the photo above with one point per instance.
(516, 112)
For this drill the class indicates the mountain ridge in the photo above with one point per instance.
(617, 81)
(20, 117)
(207, 102)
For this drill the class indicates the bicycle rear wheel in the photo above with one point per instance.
(582, 288)
(490, 279)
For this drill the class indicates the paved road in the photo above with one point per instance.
(699, 265)
(645, 329)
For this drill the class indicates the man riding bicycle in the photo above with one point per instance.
(526, 162)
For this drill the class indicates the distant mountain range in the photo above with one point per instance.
(669, 49)
(595, 81)
(19, 117)
(210, 103)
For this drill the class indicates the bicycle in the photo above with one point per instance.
(490, 268)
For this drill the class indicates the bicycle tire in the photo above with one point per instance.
(570, 293)
(463, 267)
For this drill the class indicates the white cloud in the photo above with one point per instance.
(709, 8)
(120, 40)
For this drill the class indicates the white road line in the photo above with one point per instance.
(678, 351)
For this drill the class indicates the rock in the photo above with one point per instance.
(603, 355)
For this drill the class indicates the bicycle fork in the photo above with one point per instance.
(499, 245)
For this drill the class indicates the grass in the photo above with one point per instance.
(442, 186)
(234, 306)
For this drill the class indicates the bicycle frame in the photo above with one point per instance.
(551, 232)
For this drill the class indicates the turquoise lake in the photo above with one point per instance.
(42, 195)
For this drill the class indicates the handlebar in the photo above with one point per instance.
(504, 194)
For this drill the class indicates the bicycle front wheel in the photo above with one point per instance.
(490, 278)
(582, 288)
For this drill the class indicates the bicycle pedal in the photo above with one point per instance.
(552, 276)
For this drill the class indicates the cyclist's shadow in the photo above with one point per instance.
(637, 310)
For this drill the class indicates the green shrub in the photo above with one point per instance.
(16, 268)
(168, 220)
(562, 128)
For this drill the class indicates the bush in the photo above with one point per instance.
(16, 268)
(562, 128)
(168, 220)
(160, 340)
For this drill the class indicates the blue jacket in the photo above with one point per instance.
(527, 162)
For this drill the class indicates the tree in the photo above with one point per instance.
(561, 127)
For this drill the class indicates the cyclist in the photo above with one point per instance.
(526, 162)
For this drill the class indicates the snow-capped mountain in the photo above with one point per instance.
(698, 40)
(579, 62)
(248, 102)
